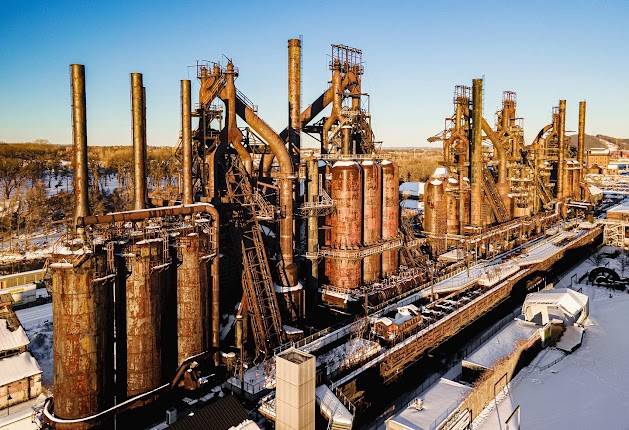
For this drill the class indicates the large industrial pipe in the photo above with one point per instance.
(79, 137)
(581, 143)
(186, 141)
(294, 98)
(138, 120)
(337, 100)
(561, 168)
(308, 114)
(286, 178)
(234, 135)
(476, 205)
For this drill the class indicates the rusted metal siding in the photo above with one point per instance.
(192, 293)
(346, 224)
(83, 334)
(390, 214)
(144, 316)
(372, 217)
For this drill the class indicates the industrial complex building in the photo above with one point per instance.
(291, 276)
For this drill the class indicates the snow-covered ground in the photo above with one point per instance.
(37, 321)
(587, 389)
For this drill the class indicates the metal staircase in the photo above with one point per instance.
(258, 284)
(493, 197)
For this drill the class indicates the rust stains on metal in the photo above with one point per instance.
(372, 218)
(186, 141)
(83, 338)
(390, 214)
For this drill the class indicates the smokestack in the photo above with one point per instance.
(561, 168)
(581, 142)
(294, 98)
(79, 137)
(476, 204)
(186, 140)
(138, 120)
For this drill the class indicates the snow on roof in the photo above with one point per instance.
(443, 396)
(594, 190)
(436, 182)
(413, 188)
(502, 344)
(621, 207)
(17, 367)
(412, 204)
(246, 425)
(11, 339)
(344, 164)
(332, 407)
(441, 171)
(570, 301)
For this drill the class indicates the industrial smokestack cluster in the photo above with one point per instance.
(132, 277)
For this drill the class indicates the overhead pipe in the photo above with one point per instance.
(138, 121)
(294, 98)
(195, 208)
(186, 141)
(561, 168)
(285, 179)
(476, 204)
(79, 138)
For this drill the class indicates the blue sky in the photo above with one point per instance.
(414, 52)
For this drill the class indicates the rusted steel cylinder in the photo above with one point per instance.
(79, 139)
(138, 119)
(294, 97)
(346, 223)
(144, 315)
(372, 217)
(476, 217)
(452, 204)
(83, 334)
(390, 214)
(561, 163)
(435, 208)
(192, 306)
(186, 141)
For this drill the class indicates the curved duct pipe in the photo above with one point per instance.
(233, 133)
(308, 115)
(285, 184)
(145, 214)
(335, 115)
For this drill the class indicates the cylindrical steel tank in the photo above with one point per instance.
(83, 334)
(390, 214)
(192, 294)
(372, 217)
(346, 223)
(144, 315)
(452, 201)
(435, 208)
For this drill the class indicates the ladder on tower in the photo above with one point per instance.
(493, 197)
(258, 284)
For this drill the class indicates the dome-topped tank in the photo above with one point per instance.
(372, 217)
(390, 214)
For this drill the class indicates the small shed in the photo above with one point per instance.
(564, 304)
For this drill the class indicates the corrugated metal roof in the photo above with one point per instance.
(17, 367)
(222, 414)
(11, 339)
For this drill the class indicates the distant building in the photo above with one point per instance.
(20, 375)
(598, 157)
